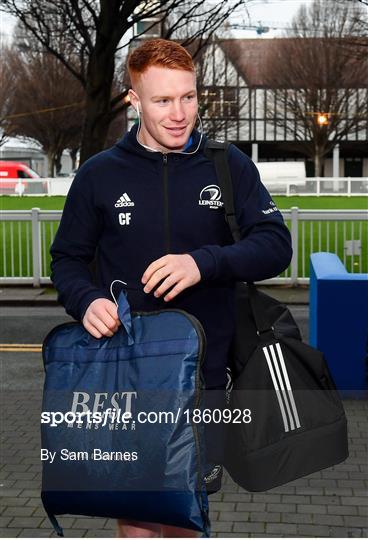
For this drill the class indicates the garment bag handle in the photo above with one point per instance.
(123, 310)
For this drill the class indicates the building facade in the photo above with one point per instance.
(237, 105)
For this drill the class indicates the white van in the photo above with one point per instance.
(282, 177)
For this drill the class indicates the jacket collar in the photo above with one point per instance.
(130, 144)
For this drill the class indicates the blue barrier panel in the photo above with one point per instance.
(338, 315)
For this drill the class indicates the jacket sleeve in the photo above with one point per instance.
(264, 250)
(74, 248)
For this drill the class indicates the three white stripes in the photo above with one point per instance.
(282, 386)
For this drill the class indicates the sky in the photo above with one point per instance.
(271, 13)
(276, 13)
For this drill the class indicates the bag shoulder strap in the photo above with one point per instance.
(218, 152)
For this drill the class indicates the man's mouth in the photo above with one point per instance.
(177, 130)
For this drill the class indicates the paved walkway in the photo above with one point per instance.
(330, 503)
(33, 296)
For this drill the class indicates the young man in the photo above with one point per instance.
(152, 207)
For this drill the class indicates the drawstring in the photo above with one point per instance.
(112, 283)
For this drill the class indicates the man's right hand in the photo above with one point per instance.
(101, 318)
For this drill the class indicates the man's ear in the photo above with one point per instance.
(133, 98)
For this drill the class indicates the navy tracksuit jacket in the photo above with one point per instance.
(137, 206)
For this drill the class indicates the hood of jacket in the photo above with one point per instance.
(130, 144)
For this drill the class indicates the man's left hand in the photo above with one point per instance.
(177, 271)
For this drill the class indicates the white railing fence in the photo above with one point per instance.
(26, 236)
(23, 187)
(318, 186)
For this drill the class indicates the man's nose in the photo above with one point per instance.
(177, 112)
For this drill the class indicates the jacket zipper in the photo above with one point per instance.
(166, 205)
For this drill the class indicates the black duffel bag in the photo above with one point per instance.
(287, 417)
(296, 423)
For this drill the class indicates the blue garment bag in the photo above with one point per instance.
(117, 430)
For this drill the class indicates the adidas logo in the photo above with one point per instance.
(124, 200)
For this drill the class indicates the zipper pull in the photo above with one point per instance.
(164, 158)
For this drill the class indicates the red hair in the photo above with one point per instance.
(158, 52)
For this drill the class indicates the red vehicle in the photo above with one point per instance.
(11, 171)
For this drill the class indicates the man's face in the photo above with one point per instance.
(167, 101)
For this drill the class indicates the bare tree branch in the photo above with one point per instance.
(91, 31)
(312, 74)
(46, 103)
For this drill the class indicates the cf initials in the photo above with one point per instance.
(124, 219)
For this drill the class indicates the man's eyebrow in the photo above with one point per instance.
(186, 93)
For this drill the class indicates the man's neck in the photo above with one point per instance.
(159, 148)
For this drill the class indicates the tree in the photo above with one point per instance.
(6, 91)
(46, 104)
(319, 90)
(357, 45)
(219, 101)
(95, 29)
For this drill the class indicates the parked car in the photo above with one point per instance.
(12, 171)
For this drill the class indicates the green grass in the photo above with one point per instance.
(323, 203)
(18, 261)
(26, 203)
(314, 236)
(57, 203)
(329, 236)
(19, 235)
